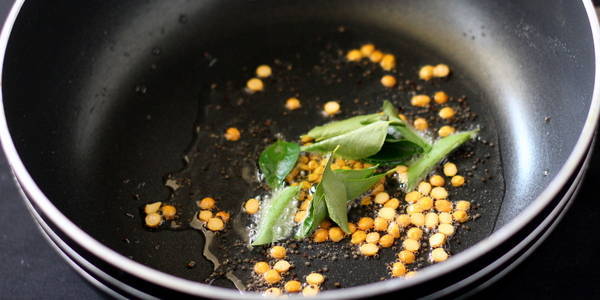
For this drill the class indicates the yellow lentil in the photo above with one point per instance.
(358, 237)
(205, 215)
(278, 252)
(168, 212)
(440, 97)
(403, 220)
(380, 224)
(232, 134)
(441, 70)
(331, 108)
(299, 216)
(263, 71)
(420, 100)
(413, 209)
(401, 169)
(292, 103)
(424, 188)
(388, 81)
(382, 198)
(450, 169)
(446, 130)
(439, 193)
(313, 177)
(420, 124)
(251, 206)
(443, 206)
(437, 180)
(417, 219)
(320, 235)
(354, 55)
(388, 62)
(336, 234)
(367, 49)
(447, 112)
(272, 276)
(460, 216)
(310, 291)
(457, 181)
(305, 205)
(392, 203)
(376, 56)
(425, 203)
(223, 215)
(153, 219)
(315, 279)
(255, 85)
(282, 266)
(439, 255)
(431, 220)
(207, 203)
(293, 286)
(364, 201)
(365, 223)
(412, 197)
(352, 227)
(372, 237)
(462, 205)
(446, 229)
(437, 240)
(377, 189)
(398, 269)
(387, 213)
(369, 249)
(215, 224)
(394, 230)
(411, 245)
(406, 257)
(445, 218)
(426, 72)
(414, 233)
(305, 139)
(152, 207)
(261, 267)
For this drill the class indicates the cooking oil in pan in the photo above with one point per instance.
(227, 171)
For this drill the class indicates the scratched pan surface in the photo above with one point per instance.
(123, 91)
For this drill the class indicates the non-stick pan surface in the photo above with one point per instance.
(113, 93)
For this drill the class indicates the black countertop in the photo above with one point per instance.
(567, 264)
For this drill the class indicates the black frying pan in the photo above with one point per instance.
(104, 98)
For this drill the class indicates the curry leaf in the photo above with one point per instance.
(357, 144)
(331, 198)
(402, 128)
(317, 212)
(394, 152)
(276, 215)
(277, 161)
(356, 187)
(418, 169)
(336, 128)
(335, 196)
(355, 174)
(356, 182)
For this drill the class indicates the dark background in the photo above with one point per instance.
(567, 264)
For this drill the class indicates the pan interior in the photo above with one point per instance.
(118, 88)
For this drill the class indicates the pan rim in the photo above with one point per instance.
(199, 289)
